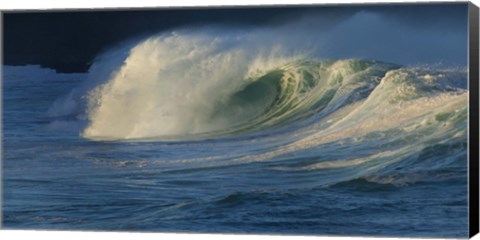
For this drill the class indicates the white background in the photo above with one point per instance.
(86, 4)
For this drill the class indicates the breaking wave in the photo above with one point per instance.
(192, 86)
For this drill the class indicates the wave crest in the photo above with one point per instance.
(189, 86)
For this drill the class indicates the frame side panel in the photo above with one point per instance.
(473, 120)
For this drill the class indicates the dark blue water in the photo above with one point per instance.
(319, 175)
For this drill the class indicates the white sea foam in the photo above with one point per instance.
(170, 85)
(181, 84)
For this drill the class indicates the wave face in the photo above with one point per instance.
(184, 86)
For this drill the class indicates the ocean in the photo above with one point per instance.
(207, 137)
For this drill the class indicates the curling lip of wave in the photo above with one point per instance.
(180, 86)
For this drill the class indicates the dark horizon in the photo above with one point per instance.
(68, 41)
